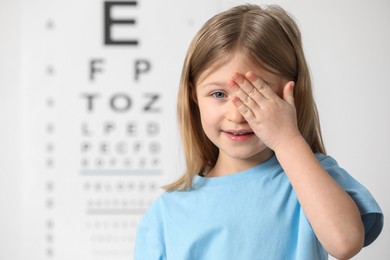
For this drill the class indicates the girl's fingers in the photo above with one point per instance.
(243, 109)
(264, 89)
(243, 83)
(246, 91)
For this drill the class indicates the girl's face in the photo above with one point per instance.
(221, 121)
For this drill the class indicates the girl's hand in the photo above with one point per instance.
(271, 118)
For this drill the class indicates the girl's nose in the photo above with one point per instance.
(233, 115)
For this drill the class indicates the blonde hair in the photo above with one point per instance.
(270, 39)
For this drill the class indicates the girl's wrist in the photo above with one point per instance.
(291, 143)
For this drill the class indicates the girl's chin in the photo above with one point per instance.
(258, 156)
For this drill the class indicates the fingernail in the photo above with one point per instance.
(238, 78)
(250, 75)
(235, 76)
(233, 84)
(236, 101)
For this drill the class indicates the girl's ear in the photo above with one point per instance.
(193, 92)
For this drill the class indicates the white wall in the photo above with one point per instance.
(348, 48)
(9, 159)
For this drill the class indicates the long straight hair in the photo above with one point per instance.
(270, 39)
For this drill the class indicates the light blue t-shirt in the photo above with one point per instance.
(249, 215)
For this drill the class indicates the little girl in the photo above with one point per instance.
(257, 184)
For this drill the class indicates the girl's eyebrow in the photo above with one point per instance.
(216, 83)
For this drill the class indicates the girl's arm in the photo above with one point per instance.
(331, 212)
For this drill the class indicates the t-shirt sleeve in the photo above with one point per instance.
(370, 211)
(149, 244)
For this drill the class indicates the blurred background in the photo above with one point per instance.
(87, 110)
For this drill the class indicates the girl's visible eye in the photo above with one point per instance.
(218, 94)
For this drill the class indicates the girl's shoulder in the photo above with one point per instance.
(337, 172)
(326, 159)
(370, 210)
(330, 164)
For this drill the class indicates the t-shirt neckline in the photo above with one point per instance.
(235, 177)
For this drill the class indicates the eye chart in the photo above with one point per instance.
(99, 133)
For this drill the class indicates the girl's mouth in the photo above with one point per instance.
(239, 136)
(240, 133)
